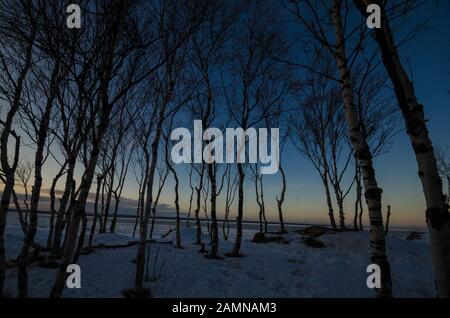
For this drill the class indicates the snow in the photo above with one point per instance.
(266, 270)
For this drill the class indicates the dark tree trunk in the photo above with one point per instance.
(95, 217)
(112, 228)
(78, 207)
(6, 195)
(52, 205)
(55, 251)
(140, 204)
(364, 155)
(386, 228)
(67, 254)
(177, 204)
(191, 197)
(214, 225)
(145, 214)
(237, 243)
(22, 220)
(258, 201)
(108, 201)
(36, 193)
(329, 202)
(263, 206)
(228, 202)
(81, 238)
(198, 224)
(8, 170)
(281, 200)
(340, 203)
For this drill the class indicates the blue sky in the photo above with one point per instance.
(428, 57)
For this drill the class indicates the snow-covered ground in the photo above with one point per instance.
(266, 270)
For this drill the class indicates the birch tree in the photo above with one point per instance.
(317, 109)
(338, 49)
(437, 213)
(256, 80)
(119, 62)
(23, 174)
(378, 117)
(279, 120)
(18, 31)
(46, 78)
(125, 159)
(231, 180)
(207, 58)
(181, 20)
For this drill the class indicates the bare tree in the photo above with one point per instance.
(259, 194)
(257, 81)
(50, 40)
(437, 213)
(232, 184)
(163, 173)
(338, 144)
(173, 16)
(198, 192)
(23, 173)
(317, 29)
(18, 33)
(117, 75)
(53, 211)
(72, 127)
(318, 108)
(208, 57)
(174, 173)
(117, 158)
(191, 195)
(96, 214)
(279, 120)
(125, 159)
(378, 118)
(388, 216)
(137, 164)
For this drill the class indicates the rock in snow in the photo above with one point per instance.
(266, 270)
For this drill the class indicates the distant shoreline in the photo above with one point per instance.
(232, 221)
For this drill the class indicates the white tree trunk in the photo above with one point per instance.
(372, 192)
(437, 214)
